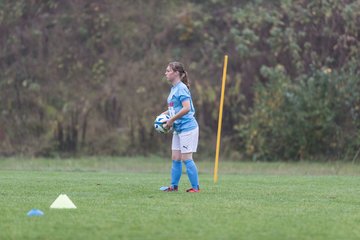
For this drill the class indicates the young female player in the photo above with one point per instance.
(186, 129)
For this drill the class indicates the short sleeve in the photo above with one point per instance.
(184, 94)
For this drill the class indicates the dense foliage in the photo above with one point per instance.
(87, 76)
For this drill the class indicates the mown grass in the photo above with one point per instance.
(119, 199)
(157, 164)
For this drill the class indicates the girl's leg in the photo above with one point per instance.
(176, 169)
(191, 170)
(188, 143)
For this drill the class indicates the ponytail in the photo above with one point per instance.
(185, 80)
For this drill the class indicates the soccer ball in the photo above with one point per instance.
(159, 121)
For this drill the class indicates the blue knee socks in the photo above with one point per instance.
(176, 172)
(192, 173)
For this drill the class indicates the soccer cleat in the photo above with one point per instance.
(169, 189)
(193, 190)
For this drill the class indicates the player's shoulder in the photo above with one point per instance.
(182, 87)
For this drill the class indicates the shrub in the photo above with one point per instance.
(315, 115)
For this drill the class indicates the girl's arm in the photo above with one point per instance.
(185, 109)
(166, 112)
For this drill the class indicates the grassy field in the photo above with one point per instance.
(119, 199)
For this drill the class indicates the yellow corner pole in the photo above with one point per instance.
(220, 120)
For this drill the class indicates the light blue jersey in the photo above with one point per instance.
(178, 94)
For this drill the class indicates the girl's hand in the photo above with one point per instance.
(168, 124)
